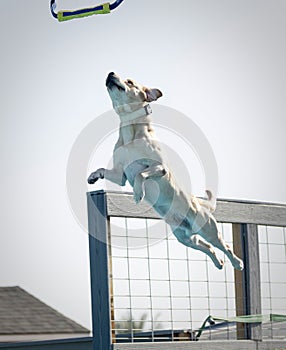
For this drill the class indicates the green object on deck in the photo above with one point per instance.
(241, 319)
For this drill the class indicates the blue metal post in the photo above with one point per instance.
(98, 248)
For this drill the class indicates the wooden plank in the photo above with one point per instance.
(123, 205)
(251, 213)
(252, 282)
(200, 345)
(99, 260)
(271, 345)
(238, 278)
(231, 211)
(86, 344)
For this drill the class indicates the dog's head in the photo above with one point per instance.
(127, 96)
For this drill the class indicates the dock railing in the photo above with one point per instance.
(147, 287)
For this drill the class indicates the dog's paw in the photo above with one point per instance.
(219, 263)
(93, 177)
(239, 265)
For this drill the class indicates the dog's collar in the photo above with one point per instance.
(139, 114)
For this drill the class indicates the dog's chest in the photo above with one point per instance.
(127, 133)
(133, 132)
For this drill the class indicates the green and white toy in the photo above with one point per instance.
(67, 15)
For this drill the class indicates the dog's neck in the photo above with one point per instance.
(140, 115)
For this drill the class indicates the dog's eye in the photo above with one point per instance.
(130, 82)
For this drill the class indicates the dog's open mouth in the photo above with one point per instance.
(119, 86)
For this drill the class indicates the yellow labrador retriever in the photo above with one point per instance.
(138, 158)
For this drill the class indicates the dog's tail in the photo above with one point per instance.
(210, 202)
(209, 195)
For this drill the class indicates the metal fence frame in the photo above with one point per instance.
(245, 217)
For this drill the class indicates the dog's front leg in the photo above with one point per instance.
(115, 175)
(153, 171)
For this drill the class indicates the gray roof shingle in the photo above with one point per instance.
(22, 313)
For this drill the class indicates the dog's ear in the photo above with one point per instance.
(152, 94)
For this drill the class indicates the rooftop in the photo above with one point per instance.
(22, 313)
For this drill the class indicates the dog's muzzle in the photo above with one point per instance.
(113, 80)
(110, 79)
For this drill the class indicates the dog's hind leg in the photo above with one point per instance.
(219, 243)
(196, 242)
(152, 171)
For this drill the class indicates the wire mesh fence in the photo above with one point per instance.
(163, 290)
(272, 249)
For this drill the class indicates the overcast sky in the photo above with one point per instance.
(220, 62)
